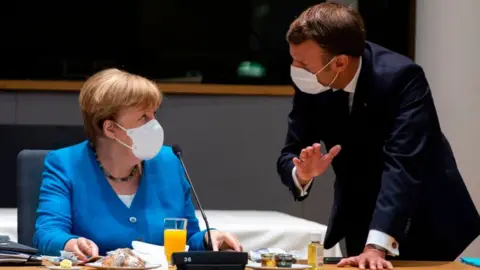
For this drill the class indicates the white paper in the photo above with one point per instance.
(151, 254)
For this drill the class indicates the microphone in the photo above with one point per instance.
(178, 152)
(205, 260)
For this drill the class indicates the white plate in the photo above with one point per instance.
(260, 267)
(99, 266)
(55, 267)
(56, 263)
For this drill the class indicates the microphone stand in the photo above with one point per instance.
(206, 260)
(209, 235)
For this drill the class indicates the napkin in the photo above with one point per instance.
(472, 261)
(151, 254)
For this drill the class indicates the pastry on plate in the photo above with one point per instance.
(122, 257)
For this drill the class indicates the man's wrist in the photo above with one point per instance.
(302, 188)
(301, 180)
(383, 241)
(376, 248)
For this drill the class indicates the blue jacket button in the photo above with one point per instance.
(133, 220)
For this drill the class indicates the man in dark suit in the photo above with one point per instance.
(398, 191)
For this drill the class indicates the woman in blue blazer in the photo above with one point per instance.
(120, 184)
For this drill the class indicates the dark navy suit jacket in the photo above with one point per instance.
(396, 172)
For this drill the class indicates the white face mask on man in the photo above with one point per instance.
(307, 82)
(147, 140)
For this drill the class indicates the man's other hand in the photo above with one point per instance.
(312, 163)
(371, 258)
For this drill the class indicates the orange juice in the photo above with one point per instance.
(175, 240)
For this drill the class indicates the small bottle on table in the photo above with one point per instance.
(315, 251)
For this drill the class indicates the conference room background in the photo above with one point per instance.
(230, 142)
(208, 40)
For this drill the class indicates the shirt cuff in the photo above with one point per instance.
(303, 190)
(383, 240)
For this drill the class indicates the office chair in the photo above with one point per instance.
(29, 179)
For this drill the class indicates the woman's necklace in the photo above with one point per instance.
(109, 176)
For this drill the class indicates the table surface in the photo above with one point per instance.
(254, 229)
(404, 265)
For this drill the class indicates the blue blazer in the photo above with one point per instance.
(77, 201)
(396, 172)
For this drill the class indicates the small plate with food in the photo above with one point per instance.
(57, 267)
(259, 266)
(65, 264)
(67, 259)
(122, 258)
(277, 261)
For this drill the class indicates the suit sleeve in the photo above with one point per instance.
(404, 153)
(302, 132)
(54, 218)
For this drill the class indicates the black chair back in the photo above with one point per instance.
(29, 179)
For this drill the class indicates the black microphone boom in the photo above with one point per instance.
(178, 152)
(205, 260)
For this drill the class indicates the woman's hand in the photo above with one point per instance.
(82, 248)
(223, 241)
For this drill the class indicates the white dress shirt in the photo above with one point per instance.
(375, 237)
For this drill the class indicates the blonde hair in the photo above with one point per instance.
(107, 92)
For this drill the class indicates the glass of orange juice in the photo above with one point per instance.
(174, 236)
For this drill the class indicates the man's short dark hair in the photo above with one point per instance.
(337, 28)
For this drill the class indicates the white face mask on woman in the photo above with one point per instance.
(147, 140)
(307, 82)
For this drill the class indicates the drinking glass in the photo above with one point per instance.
(174, 236)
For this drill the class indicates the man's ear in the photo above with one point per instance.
(340, 63)
(109, 129)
